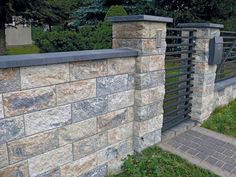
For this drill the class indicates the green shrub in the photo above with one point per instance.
(116, 10)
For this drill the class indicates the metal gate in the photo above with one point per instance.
(179, 70)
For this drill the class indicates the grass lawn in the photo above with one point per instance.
(154, 162)
(24, 49)
(223, 120)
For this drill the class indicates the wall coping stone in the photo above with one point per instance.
(200, 25)
(219, 86)
(134, 18)
(10, 61)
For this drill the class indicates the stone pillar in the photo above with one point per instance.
(146, 34)
(204, 76)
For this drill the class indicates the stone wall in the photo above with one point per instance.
(72, 119)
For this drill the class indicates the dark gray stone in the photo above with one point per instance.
(89, 108)
(63, 57)
(134, 18)
(51, 173)
(219, 86)
(145, 112)
(112, 84)
(200, 25)
(100, 171)
(11, 129)
(228, 167)
(211, 160)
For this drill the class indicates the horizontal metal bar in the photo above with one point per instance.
(229, 37)
(180, 37)
(180, 108)
(168, 118)
(180, 52)
(186, 100)
(168, 125)
(228, 32)
(180, 45)
(179, 82)
(178, 96)
(178, 75)
(181, 29)
(179, 89)
(175, 68)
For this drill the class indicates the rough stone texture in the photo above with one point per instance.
(121, 66)
(12, 128)
(50, 160)
(45, 75)
(9, 80)
(19, 169)
(90, 145)
(79, 167)
(100, 171)
(88, 69)
(76, 91)
(51, 173)
(89, 108)
(1, 108)
(114, 119)
(32, 146)
(77, 131)
(21, 102)
(47, 119)
(3, 156)
(120, 100)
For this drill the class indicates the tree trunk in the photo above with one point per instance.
(2, 37)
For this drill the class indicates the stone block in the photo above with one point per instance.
(202, 45)
(142, 64)
(32, 146)
(79, 167)
(115, 152)
(16, 170)
(51, 173)
(9, 80)
(149, 139)
(120, 133)
(203, 91)
(114, 119)
(17, 103)
(148, 96)
(204, 68)
(76, 91)
(204, 79)
(149, 80)
(112, 84)
(47, 119)
(89, 145)
(3, 156)
(1, 108)
(50, 160)
(38, 76)
(120, 100)
(12, 128)
(77, 131)
(148, 126)
(121, 66)
(84, 110)
(207, 33)
(100, 171)
(88, 69)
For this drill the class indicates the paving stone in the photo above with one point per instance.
(228, 167)
(194, 133)
(86, 109)
(202, 155)
(211, 160)
(228, 160)
(219, 155)
(193, 152)
(229, 153)
(184, 148)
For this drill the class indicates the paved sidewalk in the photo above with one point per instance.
(205, 148)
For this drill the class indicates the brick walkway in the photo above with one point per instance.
(206, 149)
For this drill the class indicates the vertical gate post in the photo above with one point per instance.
(146, 34)
(204, 76)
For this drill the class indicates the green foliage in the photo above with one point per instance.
(154, 162)
(223, 120)
(116, 10)
(25, 49)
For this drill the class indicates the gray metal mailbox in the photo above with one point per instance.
(216, 51)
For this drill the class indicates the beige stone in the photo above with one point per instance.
(77, 131)
(76, 91)
(3, 156)
(19, 169)
(114, 119)
(142, 64)
(157, 62)
(148, 126)
(32, 146)
(120, 100)
(50, 160)
(38, 76)
(1, 108)
(121, 66)
(17, 103)
(87, 69)
(148, 96)
(79, 167)
(120, 133)
(47, 119)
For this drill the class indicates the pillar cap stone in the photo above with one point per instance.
(134, 18)
(200, 25)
